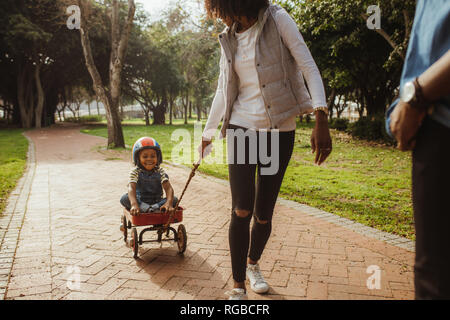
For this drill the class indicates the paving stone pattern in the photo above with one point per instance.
(60, 238)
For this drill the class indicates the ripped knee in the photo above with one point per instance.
(261, 221)
(242, 213)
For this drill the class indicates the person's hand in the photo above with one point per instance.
(134, 209)
(405, 122)
(205, 148)
(320, 138)
(166, 208)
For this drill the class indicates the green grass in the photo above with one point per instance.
(365, 182)
(13, 157)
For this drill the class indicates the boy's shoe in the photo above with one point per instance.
(257, 282)
(237, 294)
(122, 228)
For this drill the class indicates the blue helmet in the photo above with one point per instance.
(145, 143)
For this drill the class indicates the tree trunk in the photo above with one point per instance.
(147, 118)
(23, 92)
(190, 109)
(114, 130)
(40, 97)
(170, 110)
(98, 109)
(331, 102)
(89, 107)
(185, 105)
(119, 43)
(158, 115)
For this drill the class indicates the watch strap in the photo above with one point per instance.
(419, 101)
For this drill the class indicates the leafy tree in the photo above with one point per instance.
(28, 41)
(150, 75)
(354, 60)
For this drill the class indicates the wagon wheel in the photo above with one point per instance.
(182, 238)
(134, 242)
(124, 226)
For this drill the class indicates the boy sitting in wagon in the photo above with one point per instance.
(147, 180)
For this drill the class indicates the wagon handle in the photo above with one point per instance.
(191, 175)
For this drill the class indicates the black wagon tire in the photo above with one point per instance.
(134, 242)
(182, 238)
(125, 231)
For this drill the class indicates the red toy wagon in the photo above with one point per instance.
(157, 222)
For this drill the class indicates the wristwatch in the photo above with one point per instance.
(412, 94)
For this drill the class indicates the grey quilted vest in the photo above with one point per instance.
(281, 82)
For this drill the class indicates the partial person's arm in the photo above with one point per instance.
(405, 120)
(168, 206)
(320, 138)
(216, 113)
(435, 81)
(299, 50)
(218, 105)
(133, 200)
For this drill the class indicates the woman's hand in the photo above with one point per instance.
(320, 138)
(205, 148)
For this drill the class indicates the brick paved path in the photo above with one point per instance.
(70, 219)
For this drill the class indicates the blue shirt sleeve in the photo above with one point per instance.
(428, 42)
(388, 117)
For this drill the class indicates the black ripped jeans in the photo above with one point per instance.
(258, 197)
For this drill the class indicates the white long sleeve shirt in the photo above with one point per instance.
(248, 108)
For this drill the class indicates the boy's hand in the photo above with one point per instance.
(134, 209)
(166, 208)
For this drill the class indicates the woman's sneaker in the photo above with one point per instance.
(237, 294)
(257, 282)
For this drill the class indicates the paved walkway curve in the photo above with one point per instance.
(70, 223)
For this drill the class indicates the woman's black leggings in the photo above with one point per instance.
(260, 198)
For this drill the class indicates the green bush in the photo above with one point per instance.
(84, 119)
(340, 124)
(372, 129)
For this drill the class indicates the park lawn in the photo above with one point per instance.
(13, 158)
(366, 182)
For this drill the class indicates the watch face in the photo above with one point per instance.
(408, 92)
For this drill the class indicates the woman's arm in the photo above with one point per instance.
(320, 138)
(293, 40)
(218, 105)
